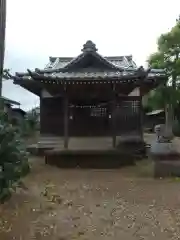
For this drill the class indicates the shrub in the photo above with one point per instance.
(13, 156)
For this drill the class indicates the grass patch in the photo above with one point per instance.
(144, 168)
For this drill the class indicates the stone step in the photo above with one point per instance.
(49, 140)
(51, 143)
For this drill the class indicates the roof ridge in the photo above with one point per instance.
(118, 57)
(53, 59)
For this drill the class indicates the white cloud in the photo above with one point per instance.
(37, 29)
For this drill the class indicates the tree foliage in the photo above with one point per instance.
(168, 58)
(27, 126)
(163, 96)
(168, 55)
(13, 156)
(167, 96)
(32, 120)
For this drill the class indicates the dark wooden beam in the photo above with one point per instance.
(141, 110)
(141, 119)
(114, 117)
(66, 120)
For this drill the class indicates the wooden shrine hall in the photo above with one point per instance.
(90, 95)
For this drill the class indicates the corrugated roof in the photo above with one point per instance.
(155, 112)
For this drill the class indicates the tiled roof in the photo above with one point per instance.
(122, 61)
(118, 61)
(89, 67)
(58, 62)
(90, 47)
(92, 75)
(81, 67)
(85, 75)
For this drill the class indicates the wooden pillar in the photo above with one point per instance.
(113, 109)
(66, 122)
(141, 119)
(141, 113)
(41, 116)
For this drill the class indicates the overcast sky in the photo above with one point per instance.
(37, 29)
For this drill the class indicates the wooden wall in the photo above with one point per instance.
(89, 121)
(51, 116)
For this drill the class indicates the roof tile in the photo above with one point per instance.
(95, 74)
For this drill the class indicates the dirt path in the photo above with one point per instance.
(91, 204)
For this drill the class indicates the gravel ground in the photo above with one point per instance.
(91, 204)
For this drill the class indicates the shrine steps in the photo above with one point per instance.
(45, 143)
(93, 159)
(84, 152)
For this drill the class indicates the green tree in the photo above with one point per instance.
(13, 156)
(167, 98)
(32, 120)
(167, 57)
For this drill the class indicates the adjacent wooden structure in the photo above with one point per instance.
(90, 95)
(12, 108)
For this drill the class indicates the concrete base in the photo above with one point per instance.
(166, 168)
(163, 148)
(166, 159)
(164, 151)
(35, 150)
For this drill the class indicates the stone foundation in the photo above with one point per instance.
(166, 168)
(166, 159)
(109, 159)
(163, 148)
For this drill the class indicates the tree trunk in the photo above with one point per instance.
(168, 121)
(2, 39)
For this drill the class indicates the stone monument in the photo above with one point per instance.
(164, 153)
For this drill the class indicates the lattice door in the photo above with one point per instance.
(89, 121)
(127, 116)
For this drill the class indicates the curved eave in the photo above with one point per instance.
(40, 71)
(129, 70)
(30, 85)
(34, 83)
(105, 79)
